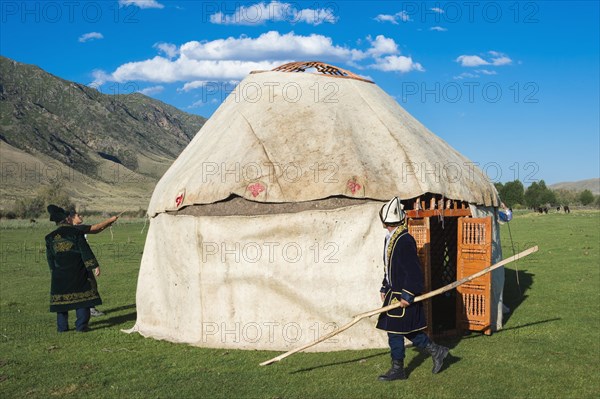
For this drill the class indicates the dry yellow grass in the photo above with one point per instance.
(116, 189)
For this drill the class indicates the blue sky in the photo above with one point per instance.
(514, 86)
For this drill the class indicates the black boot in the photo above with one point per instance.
(395, 373)
(438, 354)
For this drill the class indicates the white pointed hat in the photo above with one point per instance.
(392, 212)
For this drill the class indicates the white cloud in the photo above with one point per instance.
(382, 45)
(197, 104)
(168, 49)
(466, 75)
(438, 29)
(100, 77)
(475, 74)
(202, 103)
(394, 18)
(160, 69)
(386, 18)
(471, 60)
(437, 10)
(148, 91)
(318, 16)
(90, 36)
(497, 59)
(502, 60)
(260, 13)
(354, 65)
(196, 63)
(197, 84)
(394, 63)
(141, 3)
(269, 46)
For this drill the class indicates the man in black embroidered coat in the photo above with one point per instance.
(402, 282)
(70, 260)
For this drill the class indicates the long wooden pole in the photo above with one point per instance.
(433, 293)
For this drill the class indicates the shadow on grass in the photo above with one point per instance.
(516, 284)
(470, 335)
(112, 310)
(106, 322)
(424, 357)
(340, 362)
(529, 324)
(414, 363)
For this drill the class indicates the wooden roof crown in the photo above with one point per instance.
(321, 67)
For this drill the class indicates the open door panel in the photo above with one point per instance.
(419, 229)
(474, 253)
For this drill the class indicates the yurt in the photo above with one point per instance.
(264, 233)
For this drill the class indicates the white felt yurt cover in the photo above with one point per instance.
(290, 137)
(274, 280)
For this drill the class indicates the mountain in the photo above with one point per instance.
(107, 149)
(589, 184)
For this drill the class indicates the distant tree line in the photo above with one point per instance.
(537, 195)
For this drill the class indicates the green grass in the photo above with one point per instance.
(550, 346)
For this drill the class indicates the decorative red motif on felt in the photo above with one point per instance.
(353, 185)
(256, 189)
(179, 199)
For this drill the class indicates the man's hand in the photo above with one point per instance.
(404, 304)
(382, 296)
(97, 272)
(98, 227)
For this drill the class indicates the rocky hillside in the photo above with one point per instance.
(53, 123)
(590, 184)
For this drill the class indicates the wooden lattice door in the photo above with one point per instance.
(474, 253)
(419, 229)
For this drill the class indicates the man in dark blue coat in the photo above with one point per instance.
(402, 282)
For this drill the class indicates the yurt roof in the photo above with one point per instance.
(288, 137)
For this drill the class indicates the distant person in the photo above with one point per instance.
(402, 282)
(71, 261)
(504, 213)
(93, 229)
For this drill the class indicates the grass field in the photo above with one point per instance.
(550, 346)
